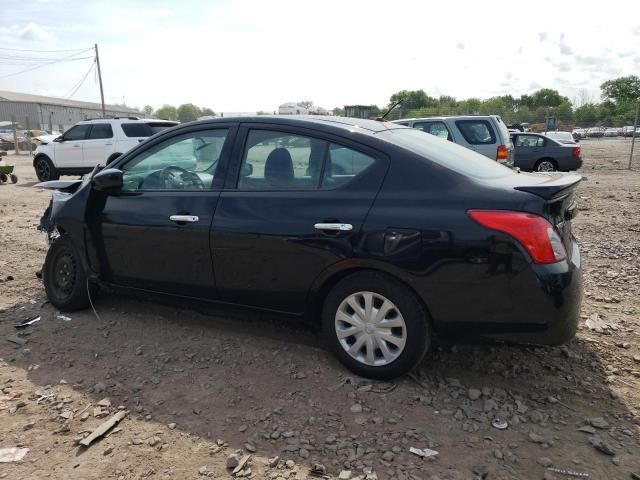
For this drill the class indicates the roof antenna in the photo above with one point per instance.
(382, 118)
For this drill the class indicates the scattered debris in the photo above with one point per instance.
(601, 445)
(104, 428)
(570, 473)
(424, 452)
(17, 340)
(64, 317)
(500, 424)
(13, 454)
(28, 321)
(241, 464)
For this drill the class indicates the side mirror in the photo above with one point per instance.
(108, 180)
(247, 169)
(59, 139)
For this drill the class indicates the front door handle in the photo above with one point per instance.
(76, 145)
(338, 227)
(184, 218)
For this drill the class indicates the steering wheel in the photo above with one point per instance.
(177, 177)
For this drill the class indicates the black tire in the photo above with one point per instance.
(546, 161)
(14, 178)
(64, 278)
(3, 178)
(418, 325)
(45, 169)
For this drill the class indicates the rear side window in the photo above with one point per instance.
(477, 132)
(79, 132)
(437, 129)
(343, 164)
(529, 141)
(145, 129)
(281, 161)
(100, 130)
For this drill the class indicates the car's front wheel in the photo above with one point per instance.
(45, 169)
(375, 326)
(64, 278)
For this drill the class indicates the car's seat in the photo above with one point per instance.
(278, 169)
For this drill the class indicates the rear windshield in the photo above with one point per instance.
(144, 129)
(447, 154)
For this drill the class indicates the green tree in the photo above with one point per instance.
(621, 90)
(308, 104)
(167, 112)
(188, 112)
(208, 112)
(148, 110)
(413, 99)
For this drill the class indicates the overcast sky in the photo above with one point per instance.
(248, 55)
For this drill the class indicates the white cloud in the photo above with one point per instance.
(248, 55)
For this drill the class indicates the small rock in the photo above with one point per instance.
(601, 445)
(290, 464)
(535, 438)
(171, 425)
(304, 453)
(587, 429)
(474, 393)
(232, 461)
(545, 462)
(67, 415)
(250, 448)
(344, 475)
(203, 471)
(388, 456)
(598, 422)
(137, 441)
(273, 462)
(107, 451)
(356, 408)
(481, 472)
(153, 441)
(498, 454)
(99, 387)
(105, 402)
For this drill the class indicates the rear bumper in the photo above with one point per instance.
(574, 163)
(557, 304)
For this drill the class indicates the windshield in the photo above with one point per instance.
(445, 153)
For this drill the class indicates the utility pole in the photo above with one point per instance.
(100, 80)
(633, 137)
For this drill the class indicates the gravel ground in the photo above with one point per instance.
(198, 388)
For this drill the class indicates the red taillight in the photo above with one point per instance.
(502, 153)
(535, 234)
(575, 152)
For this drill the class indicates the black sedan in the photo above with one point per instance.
(543, 154)
(379, 233)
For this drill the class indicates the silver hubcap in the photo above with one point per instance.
(370, 328)
(546, 166)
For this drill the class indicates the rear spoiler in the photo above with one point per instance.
(556, 188)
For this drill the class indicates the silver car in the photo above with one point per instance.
(485, 134)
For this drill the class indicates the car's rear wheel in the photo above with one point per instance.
(546, 165)
(45, 169)
(375, 326)
(64, 278)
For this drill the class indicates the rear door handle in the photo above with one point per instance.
(338, 227)
(76, 145)
(184, 218)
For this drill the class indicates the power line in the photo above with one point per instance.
(79, 84)
(45, 64)
(44, 51)
(28, 63)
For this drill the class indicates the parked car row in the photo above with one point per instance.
(595, 132)
(381, 234)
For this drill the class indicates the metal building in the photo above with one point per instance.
(50, 113)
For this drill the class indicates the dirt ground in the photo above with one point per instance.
(197, 388)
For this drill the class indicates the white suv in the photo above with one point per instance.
(92, 142)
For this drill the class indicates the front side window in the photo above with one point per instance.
(477, 132)
(79, 132)
(185, 162)
(100, 130)
(437, 129)
(281, 161)
(145, 129)
(529, 141)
